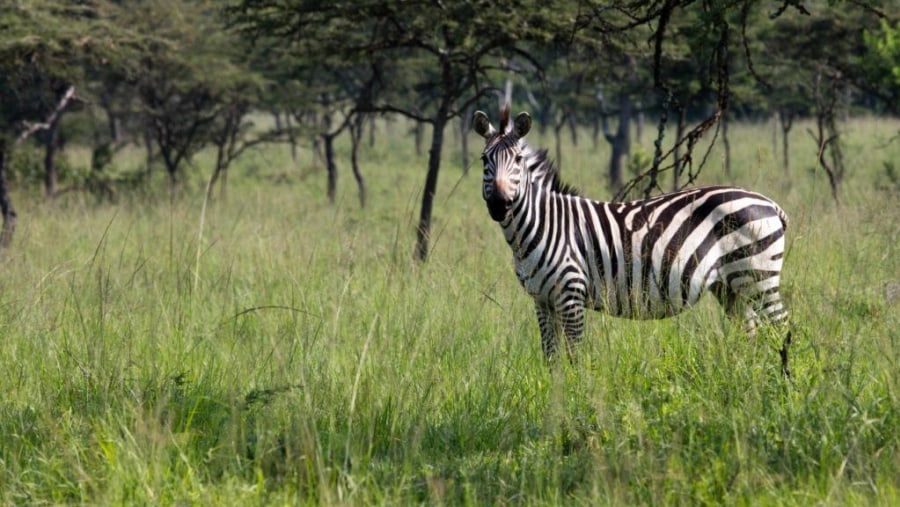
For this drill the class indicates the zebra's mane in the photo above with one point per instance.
(543, 172)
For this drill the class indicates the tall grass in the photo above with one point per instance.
(271, 348)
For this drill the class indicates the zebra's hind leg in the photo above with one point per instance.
(767, 307)
(755, 308)
(753, 318)
(784, 355)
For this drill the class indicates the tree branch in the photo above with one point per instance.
(797, 4)
(388, 108)
(32, 128)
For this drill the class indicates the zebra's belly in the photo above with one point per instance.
(559, 285)
(637, 309)
(648, 302)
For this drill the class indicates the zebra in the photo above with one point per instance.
(644, 259)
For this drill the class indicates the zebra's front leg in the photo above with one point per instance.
(572, 316)
(549, 325)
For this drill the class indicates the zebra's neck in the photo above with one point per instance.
(529, 217)
(532, 211)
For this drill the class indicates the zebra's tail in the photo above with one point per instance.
(783, 216)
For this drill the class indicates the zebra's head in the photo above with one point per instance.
(504, 163)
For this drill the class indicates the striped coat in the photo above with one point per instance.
(643, 259)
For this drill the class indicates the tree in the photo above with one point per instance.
(436, 56)
(36, 47)
(182, 77)
(43, 51)
(711, 33)
(322, 97)
(623, 87)
(806, 75)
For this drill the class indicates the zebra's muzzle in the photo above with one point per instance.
(498, 207)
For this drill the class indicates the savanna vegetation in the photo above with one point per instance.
(271, 347)
(197, 309)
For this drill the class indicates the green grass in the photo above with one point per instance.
(276, 349)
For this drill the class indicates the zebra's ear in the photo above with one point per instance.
(482, 124)
(523, 124)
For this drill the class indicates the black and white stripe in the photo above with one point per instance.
(644, 259)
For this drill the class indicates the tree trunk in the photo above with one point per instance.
(218, 169)
(621, 143)
(829, 139)
(775, 128)
(615, 167)
(276, 115)
(465, 124)
(679, 133)
(418, 135)
(292, 136)
(331, 166)
(541, 112)
(148, 145)
(223, 185)
(557, 135)
(356, 131)
(787, 121)
(317, 155)
(573, 127)
(115, 133)
(639, 127)
(506, 99)
(313, 119)
(726, 145)
(328, 139)
(6, 205)
(173, 178)
(423, 232)
(170, 160)
(51, 172)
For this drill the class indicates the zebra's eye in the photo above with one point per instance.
(518, 159)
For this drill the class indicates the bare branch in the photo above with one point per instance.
(658, 37)
(797, 4)
(745, 13)
(32, 128)
(868, 8)
(387, 108)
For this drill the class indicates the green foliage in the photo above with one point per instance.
(47, 46)
(882, 60)
(38, 56)
(890, 178)
(26, 168)
(273, 349)
(27, 165)
(639, 162)
(416, 58)
(886, 45)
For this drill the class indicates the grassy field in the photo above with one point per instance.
(269, 348)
